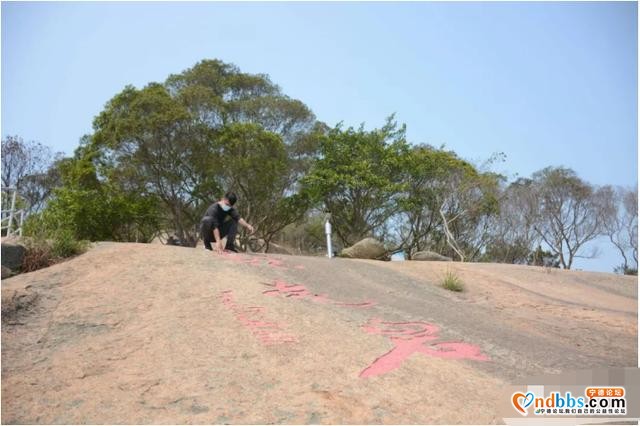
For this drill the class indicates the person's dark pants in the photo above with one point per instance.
(228, 229)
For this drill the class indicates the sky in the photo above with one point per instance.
(547, 83)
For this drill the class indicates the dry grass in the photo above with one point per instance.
(41, 253)
(452, 282)
(37, 256)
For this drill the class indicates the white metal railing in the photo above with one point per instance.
(11, 219)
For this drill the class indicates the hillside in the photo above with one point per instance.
(133, 333)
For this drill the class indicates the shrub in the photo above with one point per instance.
(42, 252)
(65, 245)
(34, 226)
(452, 282)
(43, 237)
(625, 270)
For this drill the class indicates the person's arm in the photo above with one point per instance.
(236, 216)
(246, 225)
(217, 240)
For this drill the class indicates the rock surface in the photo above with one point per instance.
(154, 334)
(369, 248)
(17, 303)
(430, 256)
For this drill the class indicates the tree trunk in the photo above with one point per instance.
(450, 240)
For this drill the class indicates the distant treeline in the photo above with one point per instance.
(158, 156)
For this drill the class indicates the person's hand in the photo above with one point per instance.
(219, 248)
(251, 228)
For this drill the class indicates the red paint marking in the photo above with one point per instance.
(298, 291)
(409, 338)
(252, 317)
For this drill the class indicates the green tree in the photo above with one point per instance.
(172, 140)
(93, 210)
(427, 172)
(256, 167)
(448, 205)
(144, 140)
(470, 202)
(358, 178)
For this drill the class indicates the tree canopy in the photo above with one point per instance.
(159, 155)
(359, 178)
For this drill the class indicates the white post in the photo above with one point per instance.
(13, 207)
(327, 230)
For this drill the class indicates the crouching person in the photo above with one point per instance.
(221, 220)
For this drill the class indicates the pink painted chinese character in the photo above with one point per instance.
(409, 338)
(297, 291)
(252, 317)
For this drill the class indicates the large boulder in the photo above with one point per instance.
(369, 248)
(13, 252)
(430, 256)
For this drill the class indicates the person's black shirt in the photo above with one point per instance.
(218, 215)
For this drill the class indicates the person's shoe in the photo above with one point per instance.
(233, 249)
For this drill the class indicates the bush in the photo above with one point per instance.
(41, 252)
(65, 245)
(43, 240)
(452, 282)
(625, 270)
(34, 226)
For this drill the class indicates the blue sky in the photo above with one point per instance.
(545, 83)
